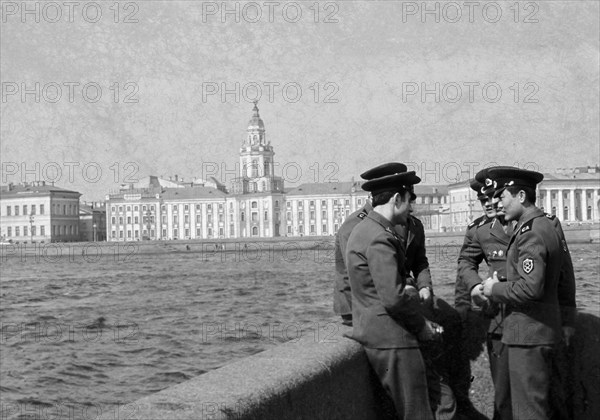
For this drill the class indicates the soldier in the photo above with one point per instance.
(342, 298)
(532, 326)
(486, 240)
(387, 319)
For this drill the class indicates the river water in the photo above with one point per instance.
(84, 336)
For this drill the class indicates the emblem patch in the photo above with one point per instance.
(500, 253)
(527, 265)
(525, 229)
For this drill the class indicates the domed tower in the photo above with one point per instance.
(257, 171)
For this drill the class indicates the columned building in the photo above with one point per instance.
(572, 196)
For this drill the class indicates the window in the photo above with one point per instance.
(255, 216)
(41, 209)
(113, 234)
(276, 204)
(136, 233)
(16, 212)
(112, 209)
(113, 220)
(164, 233)
(164, 220)
(198, 218)
(33, 209)
(209, 207)
(300, 204)
(24, 210)
(175, 233)
(220, 232)
(17, 231)
(301, 229)
(198, 232)
(255, 231)
(9, 231)
(300, 216)
(324, 229)
(360, 201)
(186, 207)
(254, 205)
(187, 233)
(42, 230)
(120, 209)
(136, 208)
(312, 215)
(198, 207)
(186, 219)
(221, 217)
(8, 210)
(323, 203)
(347, 202)
(312, 228)
(288, 204)
(289, 215)
(335, 202)
(129, 209)
(324, 214)
(143, 208)
(210, 233)
(128, 220)
(231, 218)
(220, 207)
(266, 216)
(289, 229)
(242, 216)
(136, 220)
(312, 203)
(175, 208)
(25, 233)
(175, 219)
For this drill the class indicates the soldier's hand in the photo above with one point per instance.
(477, 295)
(568, 333)
(431, 331)
(426, 296)
(411, 291)
(489, 283)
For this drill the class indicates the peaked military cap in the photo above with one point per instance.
(508, 176)
(393, 183)
(383, 170)
(478, 188)
(488, 188)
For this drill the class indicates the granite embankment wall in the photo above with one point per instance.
(330, 379)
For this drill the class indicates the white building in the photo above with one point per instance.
(36, 212)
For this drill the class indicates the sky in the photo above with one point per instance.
(98, 94)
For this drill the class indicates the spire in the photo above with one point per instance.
(256, 122)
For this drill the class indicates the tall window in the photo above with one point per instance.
(8, 210)
(17, 212)
(42, 230)
(33, 209)
(24, 210)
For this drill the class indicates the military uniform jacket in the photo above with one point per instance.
(416, 262)
(534, 260)
(342, 297)
(488, 242)
(384, 315)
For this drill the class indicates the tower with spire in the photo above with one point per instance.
(257, 169)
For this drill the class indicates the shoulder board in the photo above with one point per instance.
(484, 221)
(551, 216)
(475, 222)
(526, 227)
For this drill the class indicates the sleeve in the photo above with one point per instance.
(384, 258)
(420, 268)
(471, 255)
(531, 268)
(566, 282)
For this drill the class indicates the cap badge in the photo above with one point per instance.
(488, 182)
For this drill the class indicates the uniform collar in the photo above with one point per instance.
(536, 212)
(381, 220)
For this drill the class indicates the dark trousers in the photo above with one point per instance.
(448, 358)
(529, 373)
(417, 392)
(498, 356)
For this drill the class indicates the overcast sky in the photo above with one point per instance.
(505, 84)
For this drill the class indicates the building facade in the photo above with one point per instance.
(92, 222)
(36, 212)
